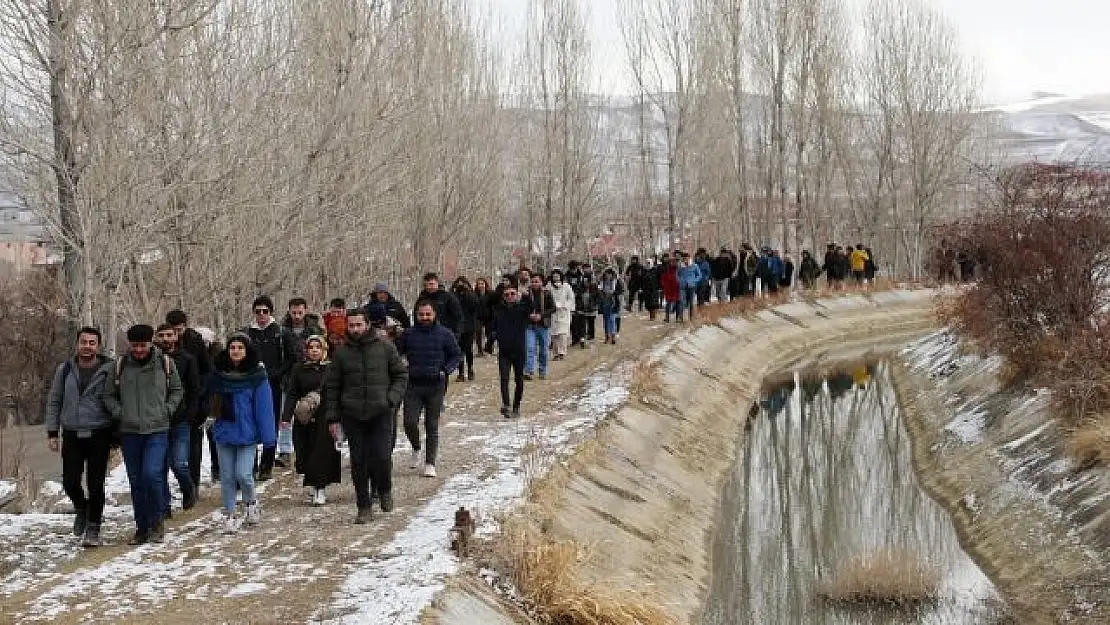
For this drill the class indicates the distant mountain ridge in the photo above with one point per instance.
(1056, 128)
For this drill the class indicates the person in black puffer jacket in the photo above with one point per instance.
(433, 355)
(469, 305)
(364, 385)
(448, 312)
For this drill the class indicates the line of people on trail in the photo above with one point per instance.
(678, 282)
(310, 381)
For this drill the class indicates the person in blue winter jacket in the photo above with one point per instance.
(433, 355)
(243, 407)
(689, 277)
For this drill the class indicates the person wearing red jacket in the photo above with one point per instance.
(671, 291)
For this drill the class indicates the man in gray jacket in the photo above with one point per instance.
(74, 411)
(142, 396)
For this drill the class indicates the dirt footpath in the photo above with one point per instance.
(302, 563)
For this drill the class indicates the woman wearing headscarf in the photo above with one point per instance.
(563, 296)
(243, 406)
(313, 446)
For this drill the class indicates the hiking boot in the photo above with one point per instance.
(254, 513)
(281, 461)
(365, 515)
(140, 538)
(92, 536)
(506, 412)
(158, 532)
(80, 521)
(263, 475)
(470, 375)
(387, 502)
(429, 470)
(462, 378)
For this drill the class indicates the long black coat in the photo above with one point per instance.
(316, 455)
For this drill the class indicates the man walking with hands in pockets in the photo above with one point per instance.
(433, 354)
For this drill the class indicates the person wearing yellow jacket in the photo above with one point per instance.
(858, 260)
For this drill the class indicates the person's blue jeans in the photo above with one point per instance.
(236, 473)
(144, 456)
(687, 295)
(177, 460)
(609, 314)
(538, 339)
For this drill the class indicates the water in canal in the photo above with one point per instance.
(823, 475)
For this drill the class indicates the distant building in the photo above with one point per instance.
(24, 242)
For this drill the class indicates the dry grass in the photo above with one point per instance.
(1089, 443)
(647, 379)
(543, 569)
(890, 576)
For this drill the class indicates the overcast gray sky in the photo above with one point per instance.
(1021, 45)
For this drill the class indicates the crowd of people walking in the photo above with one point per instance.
(299, 388)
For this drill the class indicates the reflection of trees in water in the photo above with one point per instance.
(825, 474)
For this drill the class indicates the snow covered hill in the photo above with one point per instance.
(1053, 127)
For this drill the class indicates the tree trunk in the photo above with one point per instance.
(77, 280)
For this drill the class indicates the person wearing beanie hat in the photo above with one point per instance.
(313, 447)
(142, 397)
(382, 304)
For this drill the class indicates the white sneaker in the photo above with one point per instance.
(231, 524)
(429, 470)
(254, 513)
(319, 499)
(416, 459)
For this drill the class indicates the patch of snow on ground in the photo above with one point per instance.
(968, 427)
(50, 488)
(7, 488)
(397, 584)
(248, 588)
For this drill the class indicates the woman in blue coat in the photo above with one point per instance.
(243, 407)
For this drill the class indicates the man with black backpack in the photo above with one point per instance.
(80, 426)
(142, 396)
(277, 348)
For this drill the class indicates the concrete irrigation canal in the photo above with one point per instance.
(823, 521)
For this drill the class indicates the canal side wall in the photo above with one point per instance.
(648, 500)
(995, 459)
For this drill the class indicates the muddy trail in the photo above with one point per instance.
(307, 563)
